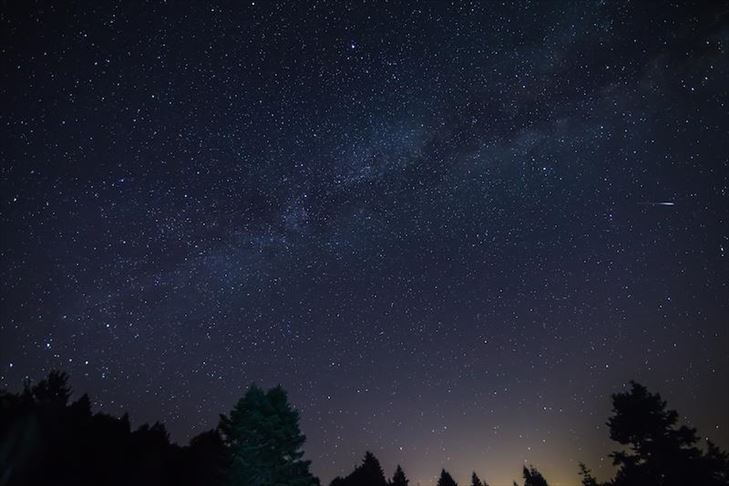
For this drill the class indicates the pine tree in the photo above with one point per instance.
(446, 479)
(264, 441)
(475, 481)
(532, 477)
(399, 478)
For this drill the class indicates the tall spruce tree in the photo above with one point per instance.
(399, 478)
(264, 441)
(446, 479)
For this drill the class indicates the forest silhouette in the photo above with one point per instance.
(45, 439)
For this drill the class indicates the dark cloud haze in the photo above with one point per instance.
(430, 222)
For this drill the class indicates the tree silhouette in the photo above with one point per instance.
(475, 481)
(264, 441)
(51, 392)
(446, 479)
(587, 477)
(207, 458)
(47, 439)
(399, 478)
(369, 473)
(532, 477)
(658, 450)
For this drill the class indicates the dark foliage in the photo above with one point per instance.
(476, 481)
(399, 478)
(47, 440)
(587, 478)
(446, 479)
(207, 459)
(263, 437)
(657, 451)
(532, 477)
(369, 473)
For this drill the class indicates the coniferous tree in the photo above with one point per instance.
(532, 477)
(658, 450)
(369, 473)
(47, 440)
(475, 481)
(264, 441)
(399, 478)
(446, 479)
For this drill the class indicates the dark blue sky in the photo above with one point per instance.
(431, 222)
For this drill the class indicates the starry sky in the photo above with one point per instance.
(437, 225)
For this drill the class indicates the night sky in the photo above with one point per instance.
(449, 230)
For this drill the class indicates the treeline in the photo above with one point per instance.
(48, 440)
(370, 473)
(45, 439)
